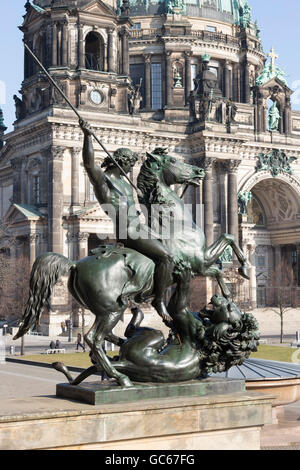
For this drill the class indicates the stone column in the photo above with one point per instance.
(277, 262)
(188, 76)
(207, 164)
(54, 44)
(83, 238)
(226, 91)
(236, 83)
(147, 58)
(298, 264)
(246, 82)
(252, 282)
(32, 248)
(197, 198)
(65, 41)
(223, 198)
(233, 220)
(55, 198)
(76, 153)
(16, 164)
(125, 52)
(287, 121)
(81, 51)
(169, 79)
(110, 50)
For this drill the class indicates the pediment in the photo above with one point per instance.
(93, 212)
(262, 276)
(22, 212)
(5, 156)
(32, 15)
(97, 7)
(276, 82)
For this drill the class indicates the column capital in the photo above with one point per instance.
(188, 54)
(147, 58)
(207, 163)
(16, 163)
(57, 152)
(123, 32)
(251, 248)
(82, 236)
(76, 152)
(231, 165)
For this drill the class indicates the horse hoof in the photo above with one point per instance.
(125, 382)
(244, 272)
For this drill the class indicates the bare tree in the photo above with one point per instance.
(6, 267)
(14, 276)
(239, 291)
(281, 292)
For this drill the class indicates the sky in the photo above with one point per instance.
(277, 19)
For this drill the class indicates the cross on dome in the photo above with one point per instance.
(273, 57)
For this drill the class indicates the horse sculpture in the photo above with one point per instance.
(106, 281)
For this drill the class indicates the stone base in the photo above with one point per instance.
(108, 392)
(216, 422)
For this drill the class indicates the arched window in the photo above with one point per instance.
(34, 168)
(94, 52)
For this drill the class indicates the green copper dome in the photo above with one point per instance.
(222, 10)
(230, 11)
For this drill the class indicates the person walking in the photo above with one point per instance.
(79, 343)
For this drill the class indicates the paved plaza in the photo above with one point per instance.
(30, 390)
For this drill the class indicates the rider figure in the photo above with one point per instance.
(110, 187)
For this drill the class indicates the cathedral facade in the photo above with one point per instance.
(189, 76)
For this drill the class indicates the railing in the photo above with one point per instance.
(217, 37)
(145, 33)
(203, 35)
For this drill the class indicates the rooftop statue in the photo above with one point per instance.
(274, 118)
(245, 15)
(175, 7)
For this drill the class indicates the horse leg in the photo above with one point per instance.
(114, 339)
(95, 338)
(213, 253)
(215, 272)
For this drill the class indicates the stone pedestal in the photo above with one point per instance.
(176, 113)
(215, 422)
(109, 392)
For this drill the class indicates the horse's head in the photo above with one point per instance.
(170, 170)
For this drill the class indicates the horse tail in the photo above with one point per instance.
(45, 273)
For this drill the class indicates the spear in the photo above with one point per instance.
(78, 115)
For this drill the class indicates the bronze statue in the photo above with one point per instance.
(141, 266)
(110, 277)
(210, 342)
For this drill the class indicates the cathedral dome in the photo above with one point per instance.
(220, 10)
